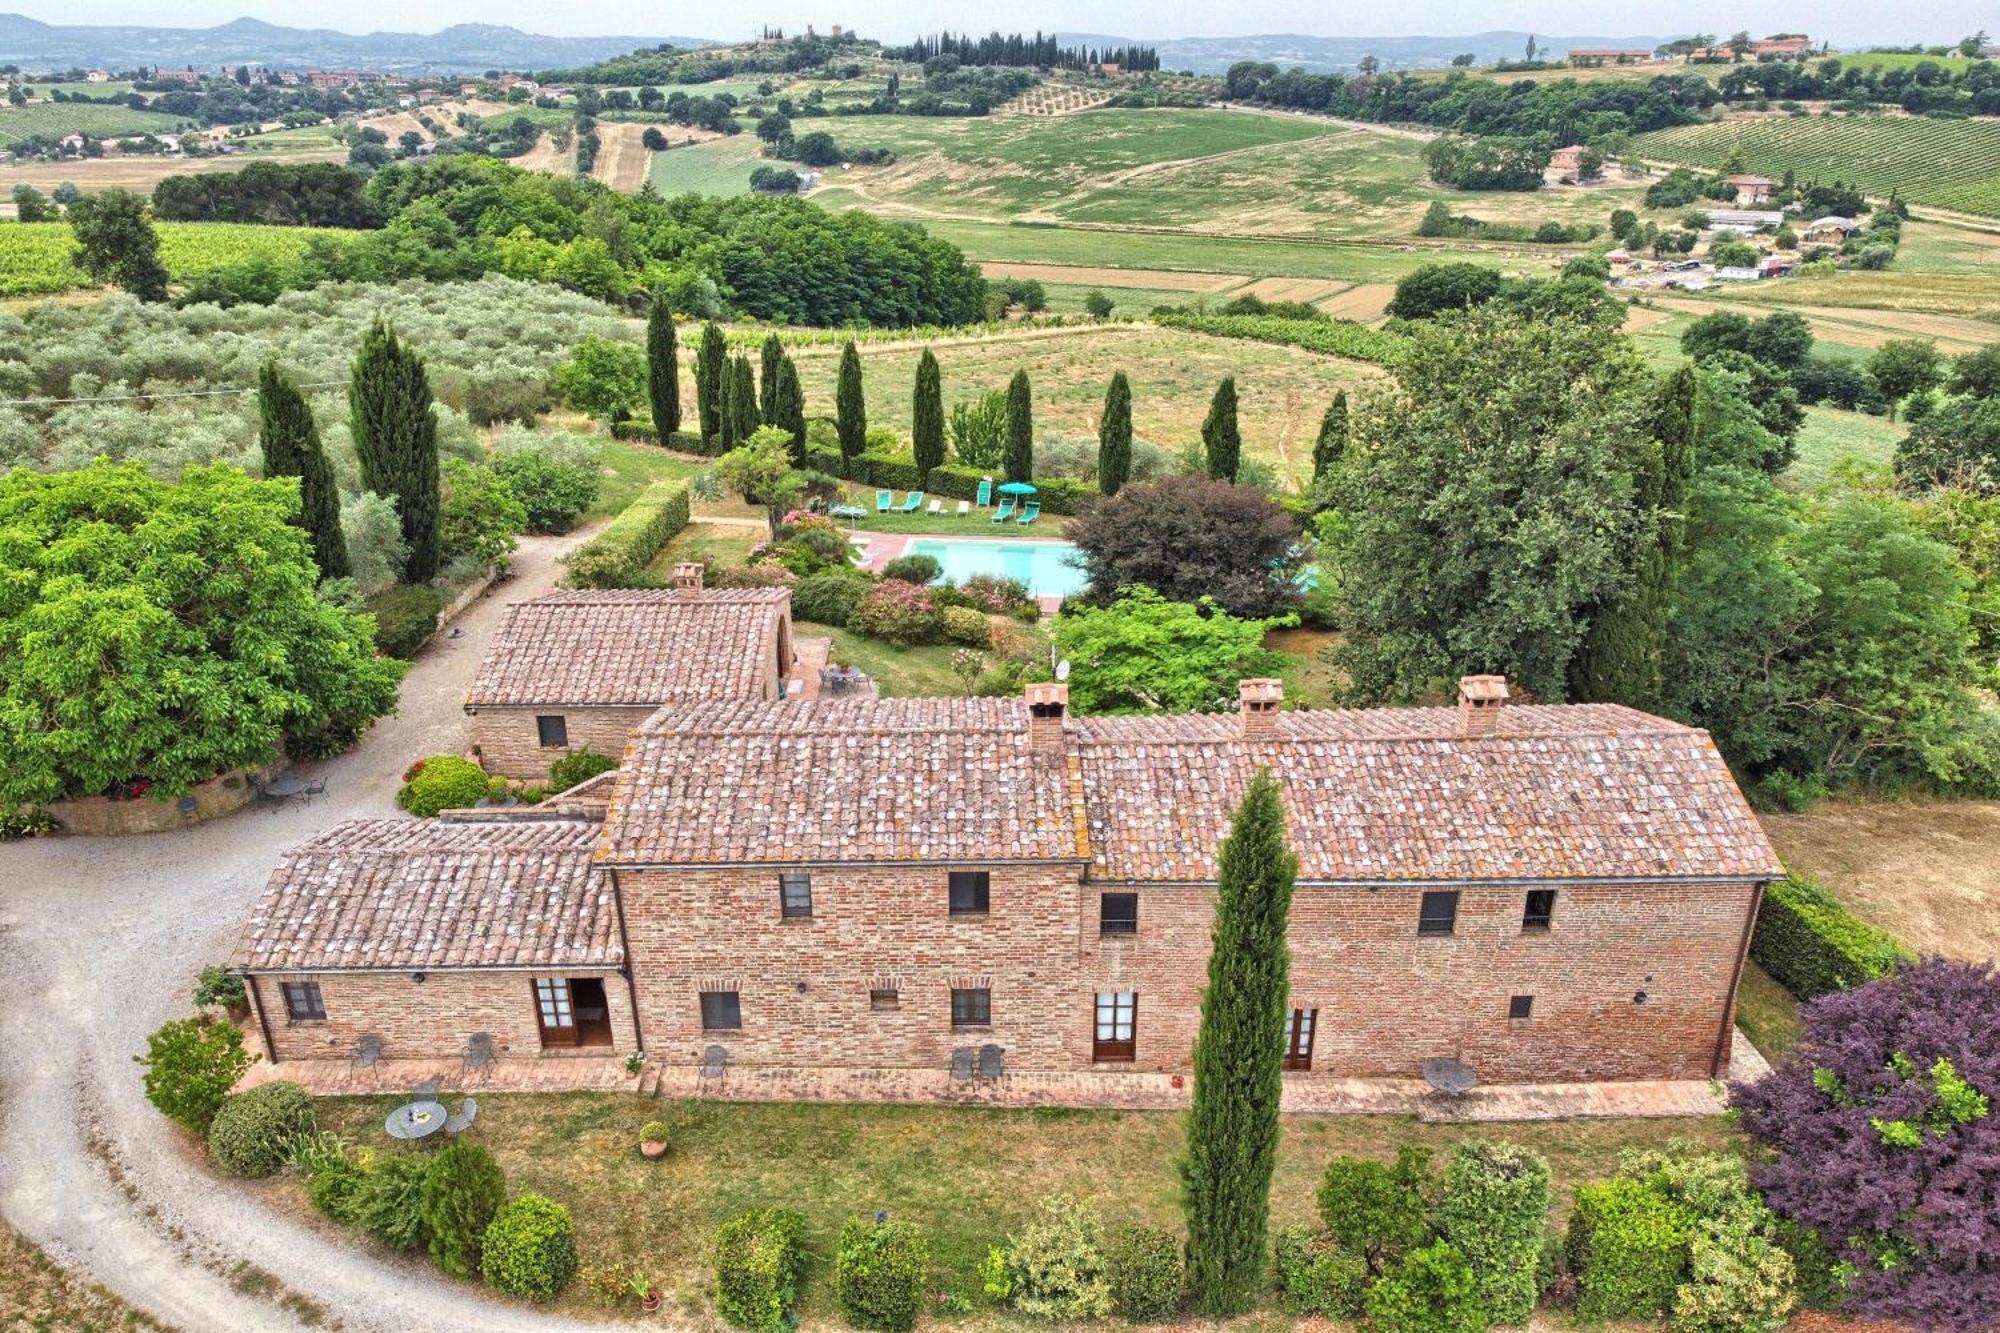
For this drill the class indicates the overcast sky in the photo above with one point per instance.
(1850, 20)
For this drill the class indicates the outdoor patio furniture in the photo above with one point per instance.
(427, 1090)
(961, 1064)
(914, 503)
(935, 508)
(1005, 511)
(991, 1063)
(368, 1050)
(1030, 514)
(713, 1061)
(985, 492)
(313, 789)
(461, 1120)
(1453, 1078)
(964, 508)
(884, 500)
(416, 1121)
(286, 786)
(478, 1052)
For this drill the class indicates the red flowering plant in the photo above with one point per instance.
(898, 612)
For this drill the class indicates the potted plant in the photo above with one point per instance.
(634, 1063)
(649, 1296)
(653, 1140)
(216, 986)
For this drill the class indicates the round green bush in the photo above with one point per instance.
(443, 782)
(530, 1248)
(654, 1131)
(759, 1258)
(405, 618)
(878, 1275)
(191, 1064)
(1147, 1269)
(252, 1133)
(390, 1207)
(1315, 1276)
(964, 625)
(913, 569)
(828, 599)
(578, 766)
(336, 1187)
(1431, 1291)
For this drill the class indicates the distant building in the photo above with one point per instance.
(839, 31)
(176, 75)
(97, 76)
(1566, 161)
(1752, 189)
(1831, 230)
(1792, 44)
(1744, 219)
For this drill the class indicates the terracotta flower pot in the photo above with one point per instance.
(651, 1151)
(652, 1302)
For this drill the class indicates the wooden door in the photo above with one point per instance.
(1299, 1038)
(555, 1014)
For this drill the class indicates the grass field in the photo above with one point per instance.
(55, 119)
(36, 1295)
(1950, 163)
(1831, 439)
(35, 256)
(713, 166)
(966, 1176)
(141, 172)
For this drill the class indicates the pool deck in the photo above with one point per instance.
(879, 548)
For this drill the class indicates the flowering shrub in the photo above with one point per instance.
(1881, 1121)
(902, 613)
(964, 625)
(996, 593)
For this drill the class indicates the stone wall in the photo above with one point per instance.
(100, 816)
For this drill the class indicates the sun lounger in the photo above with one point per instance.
(1030, 514)
(1005, 511)
(914, 503)
(985, 492)
(964, 508)
(935, 508)
(883, 501)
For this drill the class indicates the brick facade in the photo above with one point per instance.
(508, 740)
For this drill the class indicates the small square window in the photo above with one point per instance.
(303, 1003)
(1118, 914)
(972, 1008)
(1540, 910)
(884, 1001)
(795, 894)
(970, 892)
(1520, 1006)
(1439, 913)
(721, 1011)
(553, 730)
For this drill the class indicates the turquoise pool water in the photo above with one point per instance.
(1044, 566)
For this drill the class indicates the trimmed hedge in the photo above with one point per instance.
(829, 599)
(681, 441)
(878, 1274)
(405, 617)
(252, 1134)
(443, 782)
(530, 1249)
(1813, 946)
(1628, 1246)
(1316, 1276)
(1147, 1273)
(759, 1258)
(1056, 495)
(618, 556)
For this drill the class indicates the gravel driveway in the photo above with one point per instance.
(100, 939)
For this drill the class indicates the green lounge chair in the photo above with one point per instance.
(883, 501)
(985, 492)
(1030, 514)
(914, 503)
(1006, 509)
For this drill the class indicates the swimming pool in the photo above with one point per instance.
(1043, 566)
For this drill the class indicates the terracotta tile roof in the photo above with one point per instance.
(412, 893)
(841, 780)
(630, 647)
(1589, 791)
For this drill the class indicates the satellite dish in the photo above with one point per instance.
(1062, 669)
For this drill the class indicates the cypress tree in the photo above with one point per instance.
(792, 409)
(927, 417)
(663, 370)
(1020, 429)
(767, 381)
(849, 410)
(711, 364)
(289, 439)
(395, 438)
(1114, 436)
(1219, 434)
(725, 412)
(1332, 441)
(746, 398)
(1232, 1128)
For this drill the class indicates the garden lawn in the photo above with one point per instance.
(966, 1176)
(899, 672)
(629, 468)
(718, 543)
(1766, 1013)
(1310, 679)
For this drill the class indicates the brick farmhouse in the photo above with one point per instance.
(873, 887)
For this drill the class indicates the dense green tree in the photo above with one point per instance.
(462, 1191)
(1905, 366)
(1114, 436)
(850, 409)
(290, 443)
(395, 439)
(30, 205)
(760, 470)
(1189, 536)
(116, 243)
(791, 410)
(1220, 439)
(1489, 502)
(167, 633)
(1020, 428)
(1435, 288)
(728, 416)
(711, 366)
(603, 378)
(1232, 1128)
(746, 398)
(1331, 444)
(927, 416)
(1956, 446)
(1145, 654)
(772, 355)
(1977, 374)
(663, 370)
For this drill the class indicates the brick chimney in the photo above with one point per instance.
(1480, 699)
(687, 576)
(1259, 699)
(1047, 703)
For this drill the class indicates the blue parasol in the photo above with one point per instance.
(1017, 488)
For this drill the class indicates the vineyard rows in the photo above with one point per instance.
(35, 257)
(1329, 337)
(1947, 163)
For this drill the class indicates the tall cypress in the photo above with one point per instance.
(1239, 1051)
(725, 410)
(663, 370)
(395, 437)
(1114, 436)
(289, 439)
(792, 409)
(927, 417)
(746, 398)
(850, 412)
(711, 363)
(767, 402)
(1219, 434)
(1020, 428)
(1332, 441)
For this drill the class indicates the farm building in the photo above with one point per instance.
(1831, 230)
(1752, 189)
(1744, 219)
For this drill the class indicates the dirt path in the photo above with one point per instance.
(99, 941)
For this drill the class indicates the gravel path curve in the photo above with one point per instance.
(100, 939)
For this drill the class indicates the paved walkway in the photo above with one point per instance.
(99, 942)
